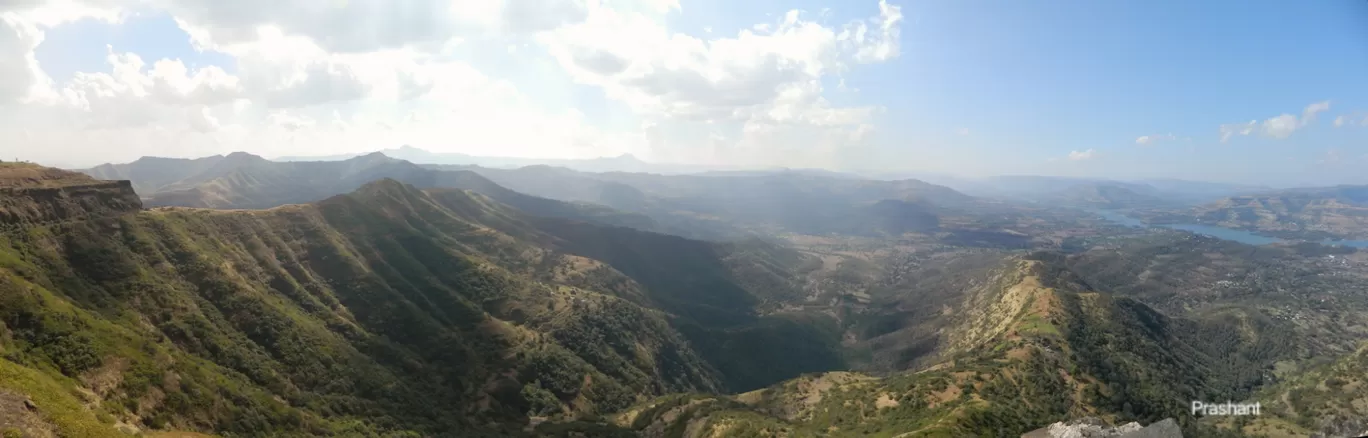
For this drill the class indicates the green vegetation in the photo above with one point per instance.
(1063, 352)
(412, 307)
(1328, 399)
(377, 313)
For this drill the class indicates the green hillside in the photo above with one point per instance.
(1331, 399)
(1048, 350)
(385, 311)
(452, 306)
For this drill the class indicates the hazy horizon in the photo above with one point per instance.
(1237, 92)
(940, 178)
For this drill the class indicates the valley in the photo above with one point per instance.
(372, 296)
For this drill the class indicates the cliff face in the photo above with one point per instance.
(33, 195)
(55, 204)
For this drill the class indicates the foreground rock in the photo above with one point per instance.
(1090, 427)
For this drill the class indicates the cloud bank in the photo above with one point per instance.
(327, 76)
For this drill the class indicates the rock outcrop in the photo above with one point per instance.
(1090, 427)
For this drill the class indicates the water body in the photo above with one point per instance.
(1230, 234)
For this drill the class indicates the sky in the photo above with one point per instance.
(1267, 92)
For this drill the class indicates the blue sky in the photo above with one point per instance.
(1037, 80)
(1041, 79)
(976, 87)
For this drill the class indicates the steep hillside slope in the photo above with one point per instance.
(1311, 292)
(34, 195)
(1043, 348)
(385, 311)
(1331, 400)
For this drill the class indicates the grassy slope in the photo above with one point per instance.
(1050, 350)
(382, 311)
(1331, 399)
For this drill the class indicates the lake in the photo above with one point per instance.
(1231, 234)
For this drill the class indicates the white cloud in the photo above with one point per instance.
(19, 72)
(1278, 127)
(350, 26)
(1151, 139)
(1309, 114)
(638, 61)
(880, 43)
(290, 122)
(22, 24)
(1082, 155)
(1281, 126)
(766, 78)
(1356, 118)
(526, 16)
(1233, 129)
(203, 120)
(313, 76)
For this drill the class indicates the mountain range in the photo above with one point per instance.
(621, 163)
(387, 309)
(238, 296)
(718, 206)
(1096, 193)
(1038, 188)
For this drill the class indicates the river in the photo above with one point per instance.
(1231, 234)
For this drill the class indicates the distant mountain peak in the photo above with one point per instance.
(374, 156)
(381, 189)
(145, 159)
(243, 157)
(382, 183)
